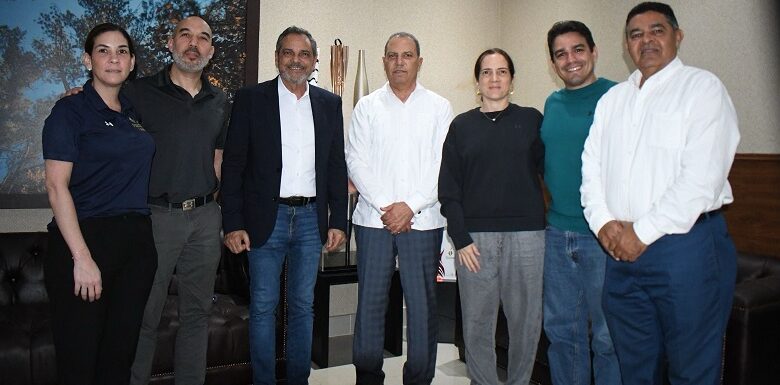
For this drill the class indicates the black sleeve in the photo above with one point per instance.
(538, 146)
(451, 191)
(225, 122)
(234, 161)
(337, 175)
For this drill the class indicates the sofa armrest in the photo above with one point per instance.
(757, 293)
(752, 336)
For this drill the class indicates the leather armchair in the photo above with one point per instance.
(753, 333)
(27, 353)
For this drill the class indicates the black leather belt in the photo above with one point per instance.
(709, 214)
(297, 201)
(186, 205)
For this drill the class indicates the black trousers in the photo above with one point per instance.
(95, 342)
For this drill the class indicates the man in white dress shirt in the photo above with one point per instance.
(653, 180)
(393, 158)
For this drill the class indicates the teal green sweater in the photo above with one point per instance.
(568, 115)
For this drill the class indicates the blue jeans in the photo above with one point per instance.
(295, 236)
(574, 266)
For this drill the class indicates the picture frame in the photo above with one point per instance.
(41, 43)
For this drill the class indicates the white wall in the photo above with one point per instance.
(731, 38)
(735, 39)
(451, 35)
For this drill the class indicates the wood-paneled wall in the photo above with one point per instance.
(754, 217)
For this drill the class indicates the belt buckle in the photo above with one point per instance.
(187, 205)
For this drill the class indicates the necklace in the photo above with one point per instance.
(495, 114)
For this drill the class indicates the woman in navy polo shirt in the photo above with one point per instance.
(102, 258)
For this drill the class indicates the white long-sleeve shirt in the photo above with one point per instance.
(297, 124)
(394, 152)
(659, 155)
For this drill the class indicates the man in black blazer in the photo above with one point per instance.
(284, 195)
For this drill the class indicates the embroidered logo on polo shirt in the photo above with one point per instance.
(136, 124)
(109, 123)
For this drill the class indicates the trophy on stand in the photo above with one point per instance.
(338, 72)
(361, 78)
(361, 89)
(339, 54)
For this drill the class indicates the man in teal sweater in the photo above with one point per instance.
(574, 260)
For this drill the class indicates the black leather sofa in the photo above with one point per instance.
(27, 354)
(752, 350)
(753, 334)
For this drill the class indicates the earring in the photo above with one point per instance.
(478, 93)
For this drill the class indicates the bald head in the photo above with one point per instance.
(191, 44)
(191, 22)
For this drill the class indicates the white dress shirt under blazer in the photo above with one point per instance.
(297, 124)
(394, 153)
(659, 155)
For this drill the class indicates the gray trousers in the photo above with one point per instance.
(418, 258)
(511, 267)
(190, 243)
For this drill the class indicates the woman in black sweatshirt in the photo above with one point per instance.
(490, 192)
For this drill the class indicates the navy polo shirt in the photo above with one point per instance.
(110, 151)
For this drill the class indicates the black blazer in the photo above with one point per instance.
(252, 162)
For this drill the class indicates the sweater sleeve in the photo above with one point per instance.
(451, 191)
(538, 145)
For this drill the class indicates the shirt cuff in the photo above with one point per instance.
(646, 232)
(416, 203)
(598, 221)
(381, 201)
(461, 241)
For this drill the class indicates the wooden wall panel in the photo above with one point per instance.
(754, 217)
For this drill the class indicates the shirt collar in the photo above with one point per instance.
(283, 91)
(658, 77)
(94, 99)
(164, 80)
(418, 88)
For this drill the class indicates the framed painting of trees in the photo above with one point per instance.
(41, 42)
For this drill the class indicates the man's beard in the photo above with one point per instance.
(189, 66)
(293, 79)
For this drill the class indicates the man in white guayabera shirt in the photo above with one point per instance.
(393, 158)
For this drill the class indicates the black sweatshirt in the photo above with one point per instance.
(489, 178)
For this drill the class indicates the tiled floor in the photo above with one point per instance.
(449, 370)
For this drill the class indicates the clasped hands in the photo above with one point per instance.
(397, 218)
(620, 241)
